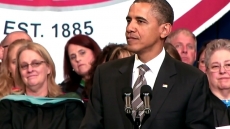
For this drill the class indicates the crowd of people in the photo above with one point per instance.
(190, 88)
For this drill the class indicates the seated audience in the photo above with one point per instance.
(80, 54)
(42, 104)
(217, 62)
(172, 51)
(7, 75)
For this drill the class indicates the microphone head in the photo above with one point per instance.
(127, 90)
(146, 89)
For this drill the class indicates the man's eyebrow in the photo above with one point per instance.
(140, 18)
(5, 46)
(180, 43)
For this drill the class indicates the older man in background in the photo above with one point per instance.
(185, 43)
(11, 38)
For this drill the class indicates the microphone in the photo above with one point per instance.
(146, 96)
(127, 95)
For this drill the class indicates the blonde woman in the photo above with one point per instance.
(42, 104)
(7, 75)
(36, 72)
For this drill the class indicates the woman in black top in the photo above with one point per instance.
(217, 62)
(80, 53)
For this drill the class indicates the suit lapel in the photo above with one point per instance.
(124, 80)
(163, 84)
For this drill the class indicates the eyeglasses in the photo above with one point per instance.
(216, 68)
(33, 65)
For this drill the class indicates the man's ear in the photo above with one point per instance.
(165, 30)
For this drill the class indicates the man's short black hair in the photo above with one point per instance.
(162, 9)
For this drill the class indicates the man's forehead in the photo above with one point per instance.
(184, 37)
(15, 36)
(184, 43)
(140, 8)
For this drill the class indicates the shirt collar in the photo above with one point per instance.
(154, 64)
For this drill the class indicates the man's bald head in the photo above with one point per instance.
(11, 38)
(14, 36)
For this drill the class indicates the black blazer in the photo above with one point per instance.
(220, 111)
(182, 105)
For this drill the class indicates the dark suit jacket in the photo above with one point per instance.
(182, 105)
(220, 111)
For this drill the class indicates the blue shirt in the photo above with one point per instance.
(226, 102)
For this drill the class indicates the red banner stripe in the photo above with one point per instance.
(199, 14)
(61, 3)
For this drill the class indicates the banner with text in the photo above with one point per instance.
(51, 22)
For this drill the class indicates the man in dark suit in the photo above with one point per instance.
(178, 90)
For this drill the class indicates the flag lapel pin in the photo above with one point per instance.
(165, 85)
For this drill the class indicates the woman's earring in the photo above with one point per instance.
(73, 69)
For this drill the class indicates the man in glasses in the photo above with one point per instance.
(11, 38)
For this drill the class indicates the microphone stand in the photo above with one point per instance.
(137, 121)
(146, 96)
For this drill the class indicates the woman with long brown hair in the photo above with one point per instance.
(79, 56)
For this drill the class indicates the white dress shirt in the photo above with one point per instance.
(154, 66)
